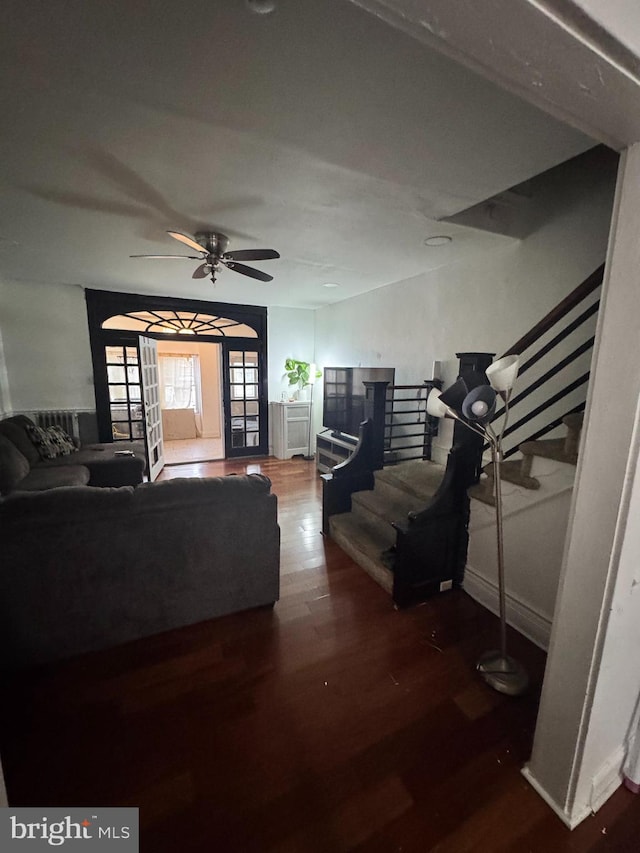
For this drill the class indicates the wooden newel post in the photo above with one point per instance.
(471, 362)
(375, 406)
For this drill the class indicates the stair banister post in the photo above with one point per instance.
(375, 410)
(471, 362)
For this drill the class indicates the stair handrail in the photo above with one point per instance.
(551, 319)
(561, 310)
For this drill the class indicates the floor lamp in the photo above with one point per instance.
(312, 382)
(472, 402)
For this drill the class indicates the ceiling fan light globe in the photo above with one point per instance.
(261, 7)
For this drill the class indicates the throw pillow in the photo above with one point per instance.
(51, 442)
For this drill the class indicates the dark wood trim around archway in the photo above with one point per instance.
(102, 304)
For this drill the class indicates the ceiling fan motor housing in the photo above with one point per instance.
(212, 242)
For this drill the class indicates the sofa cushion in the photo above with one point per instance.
(65, 506)
(232, 490)
(106, 467)
(50, 442)
(13, 466)
(62, 440)
(15, 429)
(41, 478)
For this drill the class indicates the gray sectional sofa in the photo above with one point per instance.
(87, 568)
(21, 467)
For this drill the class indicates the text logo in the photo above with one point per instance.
(103, 829)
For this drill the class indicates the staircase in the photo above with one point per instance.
(367, 533)
(520, 472)
(418, 528)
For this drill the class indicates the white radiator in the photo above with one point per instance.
(60, 417)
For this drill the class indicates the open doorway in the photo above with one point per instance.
(191, 401)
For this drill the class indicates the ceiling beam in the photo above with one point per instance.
(548, 52)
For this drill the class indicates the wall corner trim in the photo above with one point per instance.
(569, 820)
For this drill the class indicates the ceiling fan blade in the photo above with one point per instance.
(182, 257)
(188, 241)
(250, 271)
(201, 272)
(253, 255)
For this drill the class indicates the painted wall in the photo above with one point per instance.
(587, 700)
(5, 391)
(532, 562)
(620, 17)
(208, 421)
(47, 357)
(291, 335)
(609, 720)
(46, 346)
(480, 305)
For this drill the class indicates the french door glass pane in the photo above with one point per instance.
(116, 374)
(125, 395)
(244, 379)
(118, 393)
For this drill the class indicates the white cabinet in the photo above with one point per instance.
(290, 429)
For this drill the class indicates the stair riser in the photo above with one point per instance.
(384, 527)
(390, 492)
(373, 568)
(542, 467)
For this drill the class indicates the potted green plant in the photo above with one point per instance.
(299, 373)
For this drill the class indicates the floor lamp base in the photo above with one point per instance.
(503, 673)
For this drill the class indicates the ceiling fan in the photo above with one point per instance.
(212, 251)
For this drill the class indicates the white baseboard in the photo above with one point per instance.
(608, 779)
(534, 625)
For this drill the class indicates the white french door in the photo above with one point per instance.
(152, 414)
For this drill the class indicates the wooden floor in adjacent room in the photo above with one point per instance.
(332, 723)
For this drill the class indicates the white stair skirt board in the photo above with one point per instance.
(535, 526)
(607, 780)
(534, 625)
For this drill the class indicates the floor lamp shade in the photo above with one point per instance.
(455, 395)
(480, 404)
(502, 373)
(435, 407)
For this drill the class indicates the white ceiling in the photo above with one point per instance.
(317, 130)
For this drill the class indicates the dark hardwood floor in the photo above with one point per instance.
(331, 723)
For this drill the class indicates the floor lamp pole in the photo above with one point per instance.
(309, 455)
(495, 458)
(497, 668)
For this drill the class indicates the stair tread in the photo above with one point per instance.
(483, 491)
(574, 421)
(550, 448)
(418, 478)
(392, 505)
(511, 471)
